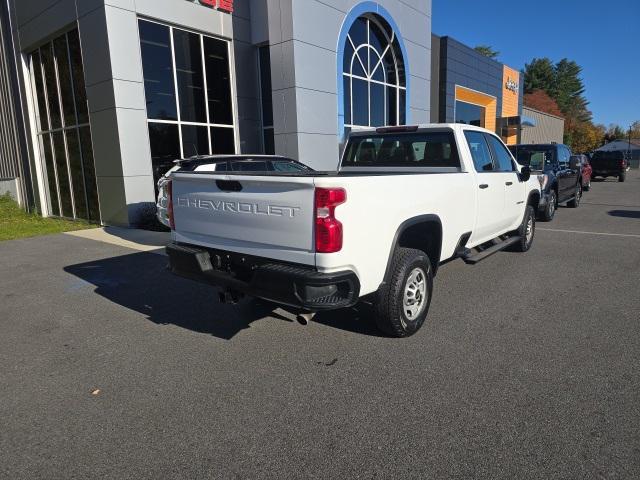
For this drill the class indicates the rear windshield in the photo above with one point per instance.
(535, 157)
(615, 155)
(428, 149)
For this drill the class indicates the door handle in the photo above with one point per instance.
(508, 184)
(483, 186)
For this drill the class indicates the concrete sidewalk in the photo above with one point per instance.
(140, 240)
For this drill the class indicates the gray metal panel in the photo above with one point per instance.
(549, 128)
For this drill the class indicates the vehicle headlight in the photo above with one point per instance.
(543, 179)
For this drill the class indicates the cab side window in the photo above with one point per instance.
(479, 151)
(563, 155)
(502, 155)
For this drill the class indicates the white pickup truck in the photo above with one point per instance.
(403, 201)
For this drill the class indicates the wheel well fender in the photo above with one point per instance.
(424, 233)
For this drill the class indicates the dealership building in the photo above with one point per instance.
(107, 93)
(99, 97)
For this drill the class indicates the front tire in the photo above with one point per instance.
(550, 210)
(575, 203)
(403, 303)
(526, 231)
(587, 187)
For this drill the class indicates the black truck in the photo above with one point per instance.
(558, 172)
(609, 164)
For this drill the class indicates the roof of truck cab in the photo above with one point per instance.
(420, 127)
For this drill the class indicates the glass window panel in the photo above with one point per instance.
(347, 99)
(377, 105)
(269, 142)
(45, 146)
(377, 71)
(77, 74)
(358, 32)
(189, 75)
(479, 151)
(52, 85)
(40, 94)
(249, 166)
(89, 174)
(64, 76)
(348, 55)
(377, 38)
(222, 140)
(398, 54)
(157, 65)
(63, 175)
(359, 59)
(165, 147)
(360, 93)
(77, 177)
(469, 114)
(503, 156)
(390, 68)
(392, 106)
(216, 54)
(403, 150)
(265, 86)
(195, 140)
(402, 107)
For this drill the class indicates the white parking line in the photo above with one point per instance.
(590, 233)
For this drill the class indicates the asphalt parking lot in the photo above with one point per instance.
(528, 367)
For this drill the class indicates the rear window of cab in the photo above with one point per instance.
(428, 149)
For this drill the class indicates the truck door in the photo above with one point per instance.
(566, 176)
(490, 193)
(513, 201)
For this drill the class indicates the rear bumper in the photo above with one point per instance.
(614, 172)
(293, 285)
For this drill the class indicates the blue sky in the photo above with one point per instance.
(602, 36)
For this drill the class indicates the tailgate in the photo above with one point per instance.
(266, 216)
(605, 164)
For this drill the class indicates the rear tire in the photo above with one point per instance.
(402, 304)
(575, 203)
(526, 231)
(622, 177)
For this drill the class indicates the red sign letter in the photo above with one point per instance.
(226, 5)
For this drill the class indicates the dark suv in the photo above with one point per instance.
(559, 175)
(609, 164)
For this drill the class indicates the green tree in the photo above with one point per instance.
(568, 91)
(540, 75)
(615, 132)
(487, 51)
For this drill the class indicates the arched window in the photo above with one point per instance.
(374, 76)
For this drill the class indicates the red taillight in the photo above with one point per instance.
(328, 228)
(172, 222)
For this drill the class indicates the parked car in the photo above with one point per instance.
(558, 173)
(609, 164)
(403, 201)
(585, 171)
(225, 163)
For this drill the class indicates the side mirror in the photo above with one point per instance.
(574, 163)
(525, 173)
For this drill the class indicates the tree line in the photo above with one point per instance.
(558, 89)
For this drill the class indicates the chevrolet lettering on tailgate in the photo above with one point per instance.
(237, 207)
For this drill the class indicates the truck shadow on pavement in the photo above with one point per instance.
(625, 213)
(142, 283)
